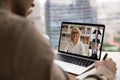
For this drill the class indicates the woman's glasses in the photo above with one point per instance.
(74, 32)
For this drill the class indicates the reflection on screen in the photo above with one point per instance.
(81, 39)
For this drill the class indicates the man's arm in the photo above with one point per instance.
(58, 74)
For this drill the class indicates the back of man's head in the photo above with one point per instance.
(19, 7)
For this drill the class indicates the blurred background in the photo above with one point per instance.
(48, 15)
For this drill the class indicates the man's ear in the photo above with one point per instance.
(29, 11)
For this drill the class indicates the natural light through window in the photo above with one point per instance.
(53, 12)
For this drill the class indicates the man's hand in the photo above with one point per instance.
(108, 63)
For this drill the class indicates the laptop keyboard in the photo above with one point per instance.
(74, 60)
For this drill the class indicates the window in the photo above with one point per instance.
(88, 11)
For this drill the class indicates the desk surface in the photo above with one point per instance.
(115, 56)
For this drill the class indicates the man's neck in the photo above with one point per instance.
(4, 5)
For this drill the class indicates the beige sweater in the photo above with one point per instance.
(25, 54)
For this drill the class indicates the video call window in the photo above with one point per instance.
(81, 39)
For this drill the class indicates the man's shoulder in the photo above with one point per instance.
(19, 20)
(13, 19)
(16, 24)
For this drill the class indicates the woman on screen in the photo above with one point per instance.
(75, 45)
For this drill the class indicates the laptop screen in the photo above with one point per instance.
(81, 39)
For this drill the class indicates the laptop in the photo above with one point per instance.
(80, 45)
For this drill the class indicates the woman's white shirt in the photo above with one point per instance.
(77, 48)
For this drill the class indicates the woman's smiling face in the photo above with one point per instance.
(74, 35)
